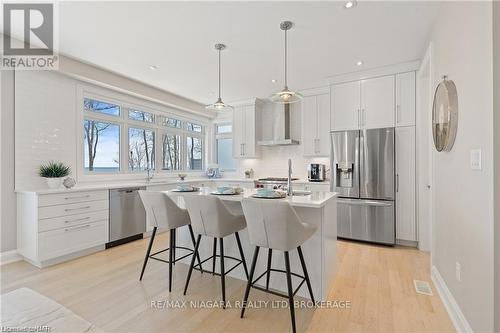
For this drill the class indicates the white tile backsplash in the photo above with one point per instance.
(273, 162)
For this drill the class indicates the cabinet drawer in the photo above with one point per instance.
(72, 209)
(64, 241)
(72, 220)
(73, 197)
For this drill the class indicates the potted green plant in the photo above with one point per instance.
(54, 173)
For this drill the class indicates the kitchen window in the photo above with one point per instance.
(224, 147)
(141, 147)
(141, 116)
(119, 137)
(101, 142)
(92, 105)
(171, 149)
(194, 147)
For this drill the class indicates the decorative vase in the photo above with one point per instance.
(54, 183)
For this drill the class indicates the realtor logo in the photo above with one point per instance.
(28, 40)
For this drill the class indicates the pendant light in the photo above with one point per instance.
(219, 105)
(285, 96)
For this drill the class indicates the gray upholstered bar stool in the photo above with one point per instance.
(210, 217)
(164, 213)
(276, 226)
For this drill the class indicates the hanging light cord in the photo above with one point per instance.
(286, 84)
(219, 73)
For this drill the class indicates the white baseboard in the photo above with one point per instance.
(9, 256)
(457, 317)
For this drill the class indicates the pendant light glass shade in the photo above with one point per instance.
(219, 105)
(286, 96)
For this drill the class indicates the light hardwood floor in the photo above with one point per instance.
(103, 288)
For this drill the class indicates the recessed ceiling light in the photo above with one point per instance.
(350, 4)
(359, 63)
(273, 80)
(153, 67)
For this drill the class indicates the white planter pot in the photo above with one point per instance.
(54, 183)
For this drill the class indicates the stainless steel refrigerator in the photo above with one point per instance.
(362, 172)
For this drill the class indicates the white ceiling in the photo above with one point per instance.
(179, 38)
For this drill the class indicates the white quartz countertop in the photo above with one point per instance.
(316, 199)
(153, 182)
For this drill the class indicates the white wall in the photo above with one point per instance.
(463, 198)
(496, 106)
(7, 196)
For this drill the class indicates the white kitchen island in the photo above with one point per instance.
(318, 208)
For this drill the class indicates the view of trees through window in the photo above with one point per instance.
(101, 143)
(171, 152)
(194, 153)
(181, 141)
(101, 139)
(141, 143)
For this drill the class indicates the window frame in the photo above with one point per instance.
(227, 135)
(128, 103)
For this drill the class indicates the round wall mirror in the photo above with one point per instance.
(445, 115)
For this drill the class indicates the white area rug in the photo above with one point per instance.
(25, 308)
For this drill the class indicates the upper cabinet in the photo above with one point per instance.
(405, 99)
(377, 102)
(316, 125)
(246, 130)
(345, 106)
(386, 101)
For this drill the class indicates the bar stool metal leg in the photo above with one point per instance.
(269, 258)
(222, 272)
(290, 290)
(241, 253)
(175, 246)
(250, 278)
(214, 255)
(195, 254)
(170, 260)
(306, 276)
(194, 244)
(148, 252)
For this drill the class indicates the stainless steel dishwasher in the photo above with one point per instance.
(127, 217)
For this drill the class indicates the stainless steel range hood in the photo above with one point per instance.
(281, 129)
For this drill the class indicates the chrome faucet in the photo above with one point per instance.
(150, 175)
(289, 190)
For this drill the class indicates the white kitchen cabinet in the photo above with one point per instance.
(55, 227)
(246, 130)
(345, 106)
(316, 125)
(405, 99)
(363, 104)
(405, 184)
(377, 102)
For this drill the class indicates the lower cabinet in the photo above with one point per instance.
(406, 228)
(52, 227)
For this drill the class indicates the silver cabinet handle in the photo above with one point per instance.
(398, 109)
(241, 149)
(72, 209)
(77, 220)
(397, 183)
(77, 228)
(363, 117)
(359, 117)
(244, 149)
(79, 197)
(361, 202)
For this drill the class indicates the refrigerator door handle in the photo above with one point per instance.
(361, 202)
